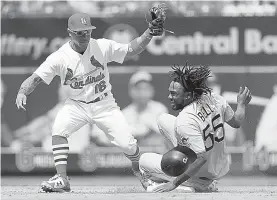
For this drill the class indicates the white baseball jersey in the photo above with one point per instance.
(200, 126)
(85, 75)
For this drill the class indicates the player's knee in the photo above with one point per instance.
(145, 161)
(163, 120)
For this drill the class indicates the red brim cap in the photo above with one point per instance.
(90, 27)
(80, 22)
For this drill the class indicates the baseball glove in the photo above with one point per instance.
(157, 19)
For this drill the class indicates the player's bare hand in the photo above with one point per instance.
(167, 187)
(21, 101)
(244, 96)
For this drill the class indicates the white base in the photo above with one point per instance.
(178, 189)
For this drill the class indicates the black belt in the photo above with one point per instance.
(95, 100)
(205, 179)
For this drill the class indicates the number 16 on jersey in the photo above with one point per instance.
(100, 87)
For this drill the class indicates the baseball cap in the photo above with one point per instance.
(140, 76)
(80, 22)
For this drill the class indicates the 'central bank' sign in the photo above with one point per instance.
(221, 44)
(214, 41)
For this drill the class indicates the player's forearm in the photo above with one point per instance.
(28, 86)
(240, 113)
(239, 116)
(139, 44)
(191, 171)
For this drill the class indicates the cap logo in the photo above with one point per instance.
(84, 21)
(185, 160)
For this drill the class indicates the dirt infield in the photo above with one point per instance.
(121, 188)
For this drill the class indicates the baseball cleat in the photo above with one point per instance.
(152, 186)
(145, 182)
(56, 184)
(211, 188)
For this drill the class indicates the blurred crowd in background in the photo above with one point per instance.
(54, 8)
(141, 115)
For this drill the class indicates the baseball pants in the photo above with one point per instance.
(105, 114)
(150, 163)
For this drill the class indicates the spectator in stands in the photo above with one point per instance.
(91, 7)
(142, 113)
(6, 133)
(266, 133)
(104, 9)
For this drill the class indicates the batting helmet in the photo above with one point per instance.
(177, 160)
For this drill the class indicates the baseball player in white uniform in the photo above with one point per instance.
(81, 64)
(199, 127)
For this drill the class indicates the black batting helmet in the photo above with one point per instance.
(177, 160)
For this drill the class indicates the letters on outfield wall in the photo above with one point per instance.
(213, 41)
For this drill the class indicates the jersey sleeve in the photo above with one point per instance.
(228, 112)
(50, 67)
(116, 52)
(189, 134)
(226, 109)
